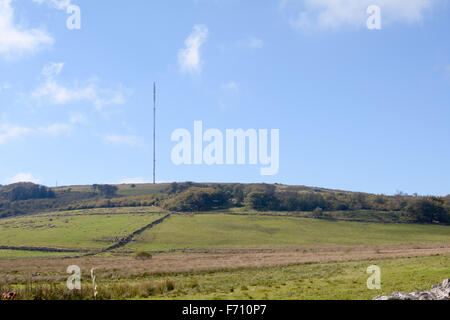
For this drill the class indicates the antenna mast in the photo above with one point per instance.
(154, 132)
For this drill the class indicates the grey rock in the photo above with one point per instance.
(437, 292)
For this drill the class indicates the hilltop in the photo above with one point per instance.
(27, 198)
(211, 240)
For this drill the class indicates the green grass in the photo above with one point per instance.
(335, 281)
(141, 189)
(353, 215)
(19, 254)
(74, 232)
(99, 211)
(319, 281)
(124, 189)
(210, 230)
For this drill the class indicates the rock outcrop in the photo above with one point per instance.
(437, 292)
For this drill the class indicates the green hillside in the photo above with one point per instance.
(218, 230)
(71, 231)
(27, 198)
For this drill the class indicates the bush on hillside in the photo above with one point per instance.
(198, 199)
(428, 210)
(142, 255)
(26, 191)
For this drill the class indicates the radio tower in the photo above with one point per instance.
(154, 132)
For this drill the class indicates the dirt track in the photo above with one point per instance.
(210, 259)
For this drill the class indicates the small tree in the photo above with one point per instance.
(105, 190)
(428, 210)
(318, 213)
(142, 255)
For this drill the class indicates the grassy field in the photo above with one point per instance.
(99, 228)
(317, 281)
(17, 254)
(345, 280)
(245, 256)
(124, 189)
(101, 211)
(70, 231)
(212, 230)
(355, 215)
(141, 189)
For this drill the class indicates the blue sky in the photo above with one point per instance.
(357, 109)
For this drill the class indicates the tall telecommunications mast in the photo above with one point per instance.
(154, 132)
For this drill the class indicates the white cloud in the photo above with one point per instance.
(255, 43)
(57, 4)
(50, 91)
(131, 141)
(4, 86)
(138, 180)
(230, 86)
(16, 40)
(10, 132)
(78, 118)
(189, 58)
(52, 69)
(22, 177)
(332, 14)
(57, 94)
(243, 43)
(229, 95)
(55, 129)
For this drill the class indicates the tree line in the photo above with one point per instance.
(25, 191)
(196, 197)
(264, 197)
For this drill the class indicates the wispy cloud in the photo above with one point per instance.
(131, 141)
(50, 91)
(55, 93)
(255, 43)
(22, 177)
(17, 40)
(78, 118)
(229, 95)
(11, 132)
(189, 58)
(333, 14)
(52, 69)
(230, 87)
(447, 71)
(138, 180)
(56, 129)
(4, 86)
(252, 43)
(57, 4)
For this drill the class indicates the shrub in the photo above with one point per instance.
(318, 213)
(262, 200)
(428, 210)
(198, 199)
(142, 255)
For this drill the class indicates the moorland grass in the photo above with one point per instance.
(19, 254)
(324, 281)
(220, 230)
(74, 232)
(318, 281)
(98, 211)
(141, 189)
